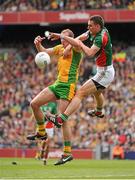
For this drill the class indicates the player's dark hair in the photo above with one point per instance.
(70, 33)
(97, 19)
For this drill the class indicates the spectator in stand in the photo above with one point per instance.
(118, 152)
(29, 5)
(131, 5)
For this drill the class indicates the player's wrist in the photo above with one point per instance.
(62, 36)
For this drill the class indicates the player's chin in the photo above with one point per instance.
(91, 33)
(36, 42)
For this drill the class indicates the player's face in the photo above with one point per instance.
(93, 28)
(63, 42)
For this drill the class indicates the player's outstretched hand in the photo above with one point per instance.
(83, 36)
(54, 36)
(38, 40)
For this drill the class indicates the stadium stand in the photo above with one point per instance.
(21, 80)
(29, 5)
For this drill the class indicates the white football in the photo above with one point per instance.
(47, 34)
(42, 59)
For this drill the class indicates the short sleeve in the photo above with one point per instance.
(57, 49)
(98, 41)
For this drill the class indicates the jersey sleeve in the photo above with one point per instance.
(98, 41)
(56, 50)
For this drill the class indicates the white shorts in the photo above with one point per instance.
(104, 75)
(50, 132)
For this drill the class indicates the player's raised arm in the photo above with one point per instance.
(56, 36)
(70, 40)
(38, 43)
(73, 42)
(83, 36)
(77, 43)
(89, 51)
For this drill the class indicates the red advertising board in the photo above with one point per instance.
(56, 17)
(30, 153)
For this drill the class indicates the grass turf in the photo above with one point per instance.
(76, 169)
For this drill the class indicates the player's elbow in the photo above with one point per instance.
(92, 51)
(77, 44)
(90, 54)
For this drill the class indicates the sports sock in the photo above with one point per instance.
(67, 148)
(41, 128)
(99, 109)
(45, 119)
(64, 117)
(37, 155)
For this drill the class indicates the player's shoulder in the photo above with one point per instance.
(59, 46)
(102, 32)
(58, 49)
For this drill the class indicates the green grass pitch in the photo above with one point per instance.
(76, 169)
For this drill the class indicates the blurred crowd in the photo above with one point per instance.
(37, 5)
(21, 80)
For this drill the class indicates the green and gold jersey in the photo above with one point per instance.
(67, 67)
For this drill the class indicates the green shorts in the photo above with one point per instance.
(63, 90)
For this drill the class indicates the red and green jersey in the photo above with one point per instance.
(103, 41)
(51, 107)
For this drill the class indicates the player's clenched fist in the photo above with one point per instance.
(38, 40)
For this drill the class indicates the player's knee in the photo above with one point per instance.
(33, 104)
(80, 94)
